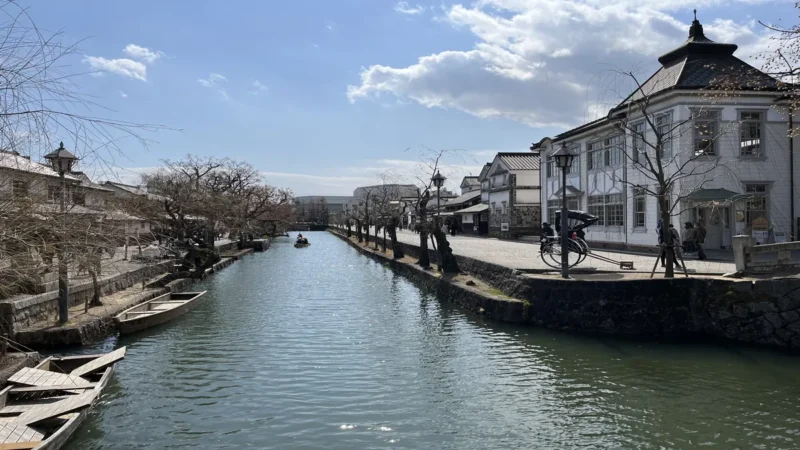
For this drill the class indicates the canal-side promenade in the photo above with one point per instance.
(765, 312)
(525, 256)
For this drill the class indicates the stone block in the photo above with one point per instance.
(784, 335)
(741, 310)
(763, 307)
(775, 319)
(789, 303)
(790, 316)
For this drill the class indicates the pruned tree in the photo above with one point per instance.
(661, 164)
(432, 226)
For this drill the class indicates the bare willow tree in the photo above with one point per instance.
(42, 104)
(432, 226)
(670, 159)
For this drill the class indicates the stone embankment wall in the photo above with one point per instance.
(751, 311)
(21, 311)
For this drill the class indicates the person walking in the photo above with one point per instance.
(700, 239)
(676, 240)
(676, 244)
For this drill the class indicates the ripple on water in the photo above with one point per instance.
(325, 349)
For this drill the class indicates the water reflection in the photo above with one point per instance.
(323, 348)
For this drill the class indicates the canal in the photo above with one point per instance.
(321, 348)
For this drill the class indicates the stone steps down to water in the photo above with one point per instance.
(762, 311)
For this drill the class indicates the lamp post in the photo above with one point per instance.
(438, 181)
(61, 161)
(564, 161)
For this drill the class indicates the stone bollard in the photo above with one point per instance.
(740, 245)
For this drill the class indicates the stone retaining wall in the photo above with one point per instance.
(765, 312)
(21, 311)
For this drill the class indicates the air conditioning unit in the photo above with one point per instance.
(504, 226)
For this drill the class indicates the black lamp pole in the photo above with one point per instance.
(564, 161)
(61, 161)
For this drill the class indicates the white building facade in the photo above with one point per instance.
(729, 155)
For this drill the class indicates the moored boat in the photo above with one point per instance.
(157, 311)
(43, 406)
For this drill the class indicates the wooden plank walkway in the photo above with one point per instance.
(67, 405)
(100, 363)
(37, 377)
(17, 432)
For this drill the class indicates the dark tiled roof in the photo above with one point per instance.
(520, 161)
(464, 198)
(700, 63)
(578, 130)
(470, 181)
(484, 171)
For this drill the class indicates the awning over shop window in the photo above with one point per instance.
(571, 192)
(712, 195)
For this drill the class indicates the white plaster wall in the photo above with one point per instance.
(528, 196)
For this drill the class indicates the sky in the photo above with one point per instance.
(324, 95)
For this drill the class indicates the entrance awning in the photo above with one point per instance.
(571, 192)
(712, 195)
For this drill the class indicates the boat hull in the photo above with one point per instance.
(60, 437)
(301, 245)
(132, 325)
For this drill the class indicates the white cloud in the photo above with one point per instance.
(142, 53)
(329, 26)
(123, 94)
(258, 88)
(405, 8)
(123, 67)
(547, 62)
(215, 82)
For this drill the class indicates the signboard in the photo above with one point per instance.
(780, 237)
(504, 227)
(760, 224)
(761, 236)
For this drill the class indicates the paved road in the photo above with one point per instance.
(521, 255)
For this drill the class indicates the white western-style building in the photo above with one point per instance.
(728, 151)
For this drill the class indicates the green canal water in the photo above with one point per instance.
(321, 348)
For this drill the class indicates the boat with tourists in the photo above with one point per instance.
(301, 242)
(157, 311)
(42, 406)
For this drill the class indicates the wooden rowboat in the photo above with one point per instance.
(298, 245)
(43, 406)
(157, 311)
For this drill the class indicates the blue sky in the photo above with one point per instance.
(345, 86)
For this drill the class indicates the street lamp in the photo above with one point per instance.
(62, 161)
(564, 161)
(438, 181)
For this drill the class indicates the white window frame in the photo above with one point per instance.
(639, 195)
(743, 123)
(663, 123)
(712, 118)
(638, 141)
(766, 194)
(503, 207)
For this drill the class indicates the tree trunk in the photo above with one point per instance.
(424, 259)
(349, 230)
(398, 252)
(669, 271)
(384, 239)
(95, 298)
(359, 231)
(447, 261)
(366, 228)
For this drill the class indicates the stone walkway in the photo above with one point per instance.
(525, 256)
